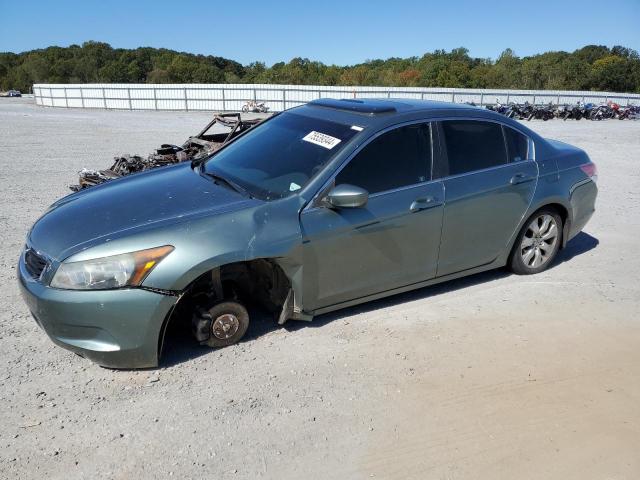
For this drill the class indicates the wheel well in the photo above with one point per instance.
(561, 209)
(260, 282)
(564, 215)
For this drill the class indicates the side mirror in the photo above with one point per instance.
(347, 196)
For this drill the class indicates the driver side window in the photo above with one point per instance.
(398, 158)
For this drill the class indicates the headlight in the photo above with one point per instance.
(126, 270)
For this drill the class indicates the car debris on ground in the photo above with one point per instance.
(219, 131)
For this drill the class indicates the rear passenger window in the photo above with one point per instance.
(517, 145)
(472, 145)
(395, 159)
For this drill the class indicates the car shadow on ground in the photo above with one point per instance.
(181, 347)
(581, 243)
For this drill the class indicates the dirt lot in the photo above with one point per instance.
(489, 377)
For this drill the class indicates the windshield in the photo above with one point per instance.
(279, 157)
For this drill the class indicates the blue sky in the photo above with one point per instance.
(338, 32)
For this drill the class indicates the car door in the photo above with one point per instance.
(489, 178)
(390, 242)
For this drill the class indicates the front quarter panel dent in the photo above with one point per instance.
(270, 231)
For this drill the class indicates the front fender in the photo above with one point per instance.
(270, 230)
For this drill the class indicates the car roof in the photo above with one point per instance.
(376, 106)
(379, 113)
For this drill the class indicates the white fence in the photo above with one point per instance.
(231, 97)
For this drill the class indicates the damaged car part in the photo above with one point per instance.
(214, 297)
(197, 147)
(321, 207)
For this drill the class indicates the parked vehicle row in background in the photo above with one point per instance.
(577, 111)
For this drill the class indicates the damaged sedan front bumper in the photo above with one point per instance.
(113, 328)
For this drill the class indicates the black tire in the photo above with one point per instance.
(516, 261)
(211, 323)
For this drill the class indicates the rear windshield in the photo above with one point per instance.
(279, 157)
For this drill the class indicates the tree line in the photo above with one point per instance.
(593, 67)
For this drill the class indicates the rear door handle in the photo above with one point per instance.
(520, 178)
(423, 203)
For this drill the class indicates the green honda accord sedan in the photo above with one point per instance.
(323, 206)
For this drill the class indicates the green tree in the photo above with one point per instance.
(593, 67)
(612, 73)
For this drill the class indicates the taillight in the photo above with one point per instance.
(591, 170)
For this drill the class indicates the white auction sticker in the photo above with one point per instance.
(322, 139)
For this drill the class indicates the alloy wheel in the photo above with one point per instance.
(539, 242)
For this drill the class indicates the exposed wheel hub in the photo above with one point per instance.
(225, 326)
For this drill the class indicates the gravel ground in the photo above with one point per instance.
(489, 377)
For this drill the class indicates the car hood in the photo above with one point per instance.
(130, 205)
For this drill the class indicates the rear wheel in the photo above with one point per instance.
(537, 244)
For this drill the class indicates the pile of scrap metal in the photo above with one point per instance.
(217, 133)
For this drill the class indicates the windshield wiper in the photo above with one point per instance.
(230, 183)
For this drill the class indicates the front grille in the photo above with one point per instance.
(34, 263)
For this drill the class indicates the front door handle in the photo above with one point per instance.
(520, 178)
(423, 203)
